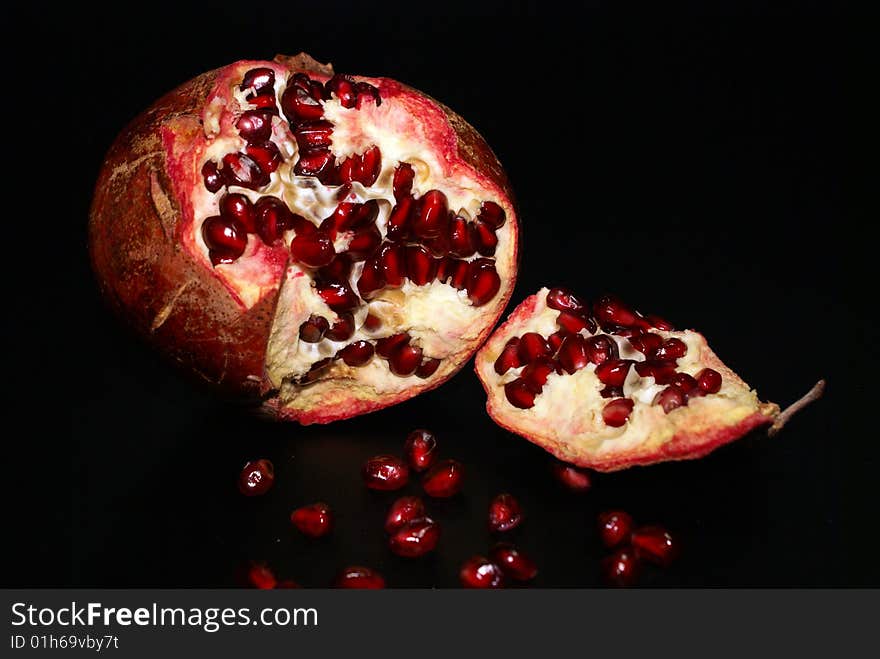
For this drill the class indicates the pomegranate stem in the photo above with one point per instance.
(812, 395)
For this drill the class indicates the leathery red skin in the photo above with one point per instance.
(682, 446)
(173, 299)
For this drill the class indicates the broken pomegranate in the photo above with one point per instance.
(326, 245)
(618, 388)
(256, 478)
(314, 520)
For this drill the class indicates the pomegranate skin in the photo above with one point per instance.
(174, 302)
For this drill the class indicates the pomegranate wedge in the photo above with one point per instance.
(623, 390)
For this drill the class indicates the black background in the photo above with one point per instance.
(693, 165)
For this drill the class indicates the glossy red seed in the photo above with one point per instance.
(315, 162)
(445, 269)
(372, 323)
(670, 398)
(659, 323)
(535, 374)
(365, 93)
(260, 80)
(684, 382)
(299, 106)
(403, 510)
(338, 297)
(387, 345)
(420, 449)
(259, 576)
(266, 155)
(371, 279)
(615, 527)
(357, 353)
(709, 380)
(611, 310)
(484, 238)
(556, 339)
(400, 219)
(314, 134)
(572, 354)
(671, 349)
(514, 563)
(646, 343)
(392, 260)
(242, 170)
(359, 577)
(483, 282)
(403, 180)
(237, 207)
(256, 478)
(273, 218)
(265, 103)
(562, 299)
(460, 237)
(444, 479)
(314, 520)
(661, 371)
(509, 357)
(613, 372)
(438, 246)
(313, 329)
(602, 348)
(364, 243)
(612, 392)
(255, 125)
(415, 538)
(572, 478)
(621, 569)
(212, 176)
(460, 275)
(519, 394)
(224, 234)
(427, 368)
(573, 323)
(492, 214)
(342, 329)
(505, 513)
(343, 88)
(312, 250)
(385, 472)
(405, 360)
(655, 545)
(369, 166)
(421, 267)
(617, 412)
(480, 572)
(532, 346)
(432, 216)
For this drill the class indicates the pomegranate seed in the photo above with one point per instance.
(314, 520)
(255, 125)
(274, 218)
(655, 544)
(484, 238)
(225, 235)
(519, 394)
(312, 250)
(617, 412)
(349, 168)
(370, 166)
(317, 163)
(399, 219)
(372, 278)
(684, 382)
(387, 345)
(212, 176)
(438, 246)
(460, 275)
(385, 472)
(357, 576)
(391, 264)
(532, 346)
(460, 239)
(659, 323)
(661, 371)
(242, 170)
(420, 265)
(403, 181)
(670, 398)
(343, 88)
(610, 310)
(483, 282)
(357, 353)
(709, 380)
(420, 449)
(405, 360)
(613, 372)
(573, 323)
(671, 349)
(428, 368)
(415, 538)
(364, 243)
(562, 299)
(492, 214)
(261, 577)
(614, 527)
(299, 106)
(235, 206)
(313, 329)
(513, 562)
(266, 155)
(366, 91)
(509, 357)
(402, 511)
(444, 479)
(372, 323)
(301, 81)
(256, 478)
(480, 572)
(342, 329)
(261, 80)
(573, 354)
(535, 374)
(572, 478)
(433, 214)
(612, 392)
(445, 269)
(646, 343)
(265, 103)
(338, 297)
(601, 349)
(621, 569)
(314, 134)
(556, 340)
(505, 513)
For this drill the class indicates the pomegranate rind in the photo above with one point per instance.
(686, 433)
(140, 240)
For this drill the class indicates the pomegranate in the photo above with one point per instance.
(625, 389)
(256, 478)
(359, 577)
(314, 520)
(480, 572)
(267, 225)
(505, 513)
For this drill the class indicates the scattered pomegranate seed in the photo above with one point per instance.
(360, 577)
(509, 357)
(274, 218)
(400, 219)
(655, 544)
(420, 265)
(338, 297)
(574, 323)
(617, 412)
(420, 449)
(513, 562)
(415, 538)
(480, 572)
(343, 87)
(265, 154)
(460, 238)
(261, 577)
(556, 339)
(505, 513)
(572, 478)
(235, 206)
(314, 134)
(256, 478)
(662, 371)
(484, 238)
(615, 527)
(621, 569)
(385, 472)
(444, 479)
(314, 520)
(709, 381)
(403, 510)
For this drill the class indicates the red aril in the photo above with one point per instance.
(615, 527)
(505, 513)
(403, 510)
(256, 478)
(621, 569)
(415, 538)
(359, 577)
(655, 544)
(385, 472)
(444, 479)
(572, 478)
(420, 449)
(314, 520)
(513, 562)
(480, 572)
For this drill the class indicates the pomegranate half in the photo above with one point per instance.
(327, 245)
(605, 387)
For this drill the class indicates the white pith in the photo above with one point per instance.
(568, 411)
(437, 316)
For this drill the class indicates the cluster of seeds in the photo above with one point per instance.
(652, 544)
